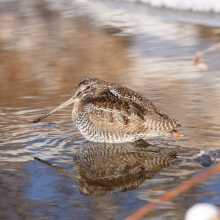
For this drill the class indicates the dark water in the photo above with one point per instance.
(45, 49)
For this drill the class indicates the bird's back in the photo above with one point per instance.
(118, 114)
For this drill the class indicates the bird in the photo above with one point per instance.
(105, 168)
(105, 112)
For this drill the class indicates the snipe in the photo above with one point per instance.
(103, 168)
(106, 112)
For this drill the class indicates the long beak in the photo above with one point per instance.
(68, 102)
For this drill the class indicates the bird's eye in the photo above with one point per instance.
(87, 87)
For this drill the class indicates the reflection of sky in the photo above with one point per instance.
(42, 183)
(212, 190)
(52, 194)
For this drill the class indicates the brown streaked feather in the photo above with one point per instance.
(119, 104)
(108, 116)
(121, 118)
(119, 110)
(137, 112)
(106, 112)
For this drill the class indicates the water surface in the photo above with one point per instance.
(45, 49)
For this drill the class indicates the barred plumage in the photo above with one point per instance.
(103, 168)
(106, 112)
(118, 114)
(106, 167)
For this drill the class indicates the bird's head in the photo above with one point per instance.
(87, 87)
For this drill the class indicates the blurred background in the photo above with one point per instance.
(47, 47)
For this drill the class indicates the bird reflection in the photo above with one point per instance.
(103, 168)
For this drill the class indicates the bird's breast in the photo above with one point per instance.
(77, 109)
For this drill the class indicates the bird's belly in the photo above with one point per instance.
(110, 133)
(97, 134)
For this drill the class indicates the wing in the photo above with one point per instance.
(110, 113)
(154, 118)
(120, 108)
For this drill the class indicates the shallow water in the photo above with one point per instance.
(45, 49)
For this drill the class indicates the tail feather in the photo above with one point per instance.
(169, 124)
